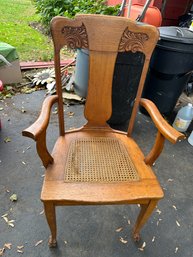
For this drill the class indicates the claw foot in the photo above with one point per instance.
(52, 242)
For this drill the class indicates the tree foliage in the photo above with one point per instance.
(69, 8)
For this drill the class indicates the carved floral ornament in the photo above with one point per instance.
(75, 37)
(132, 41)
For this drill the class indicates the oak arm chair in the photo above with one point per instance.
(95, 164)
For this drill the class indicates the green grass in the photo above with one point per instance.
(15, 16)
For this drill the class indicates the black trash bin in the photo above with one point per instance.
(170, 68)
(127, 73)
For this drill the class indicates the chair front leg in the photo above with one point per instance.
(146, 211)
(50, 213)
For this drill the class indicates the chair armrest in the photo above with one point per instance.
(37, 130)
(41, 124)
(164, 131)
(162, 125)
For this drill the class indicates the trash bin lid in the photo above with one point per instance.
(176, 34)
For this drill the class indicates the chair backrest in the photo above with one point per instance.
(104, 37)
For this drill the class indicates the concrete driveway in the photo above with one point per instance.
(93, 230)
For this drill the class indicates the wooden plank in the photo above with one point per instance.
(40, 65)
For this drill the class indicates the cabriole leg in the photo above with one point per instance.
(146, 211)
(50, 213)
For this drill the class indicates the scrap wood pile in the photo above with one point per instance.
(34, 80)
(46, 79)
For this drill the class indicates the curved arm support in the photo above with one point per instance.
(42, 150)
(41, 124)
(163, 127)
(156, 149)
(37, 131)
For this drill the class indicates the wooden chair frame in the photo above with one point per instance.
(104, 36)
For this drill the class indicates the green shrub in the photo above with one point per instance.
(69, 8)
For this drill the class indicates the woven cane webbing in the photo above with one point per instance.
(99, 159)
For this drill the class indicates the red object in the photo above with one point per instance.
(152, 15)
(1, 89)
(114, 2)
(1, 85)
(142, 2)
(173, 10)
(158, 4)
